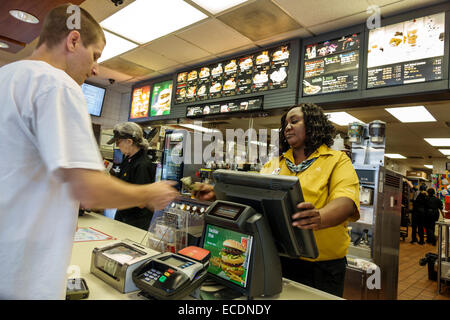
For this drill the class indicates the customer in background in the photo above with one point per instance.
(136, 168)
(330, 188)
(419, 215)
(432, 215)
(50, 159)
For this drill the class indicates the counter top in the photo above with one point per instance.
(99, 290)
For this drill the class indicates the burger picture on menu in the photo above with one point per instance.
(232, 259)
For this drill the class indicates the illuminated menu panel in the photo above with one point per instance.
(407, 52)
(262, 71)
(161, 98)
(240, 105)
(331, 66)
(140, 103)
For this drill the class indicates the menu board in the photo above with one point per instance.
(161, 98)
(241, 105)
(140, 102)
(331, 66)
(407, 52)
(265, 70)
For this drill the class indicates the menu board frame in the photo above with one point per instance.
(287, 94)
(151, 83)
(333, 96)
(411, 88)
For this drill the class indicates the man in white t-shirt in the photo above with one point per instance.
(50, 161)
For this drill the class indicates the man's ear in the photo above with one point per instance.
(72, 40)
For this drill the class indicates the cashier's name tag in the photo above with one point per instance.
(276, 171)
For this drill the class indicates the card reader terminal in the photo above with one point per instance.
(170, 276)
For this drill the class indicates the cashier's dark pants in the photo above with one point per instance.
(328, 276)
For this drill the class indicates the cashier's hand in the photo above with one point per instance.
(163, 193)
(205, 192)
(308, 217)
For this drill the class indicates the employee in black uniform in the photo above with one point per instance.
(136, 168)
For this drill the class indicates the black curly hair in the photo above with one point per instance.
(318, 128)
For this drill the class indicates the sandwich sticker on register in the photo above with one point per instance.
(230, 254)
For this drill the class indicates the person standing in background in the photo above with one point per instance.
(136, 168)
(432, 215)
(50, 160)
(419, 214)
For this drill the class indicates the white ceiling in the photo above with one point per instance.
(251, 25)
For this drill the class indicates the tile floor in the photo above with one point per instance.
(413, 283)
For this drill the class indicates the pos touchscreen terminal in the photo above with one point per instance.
(276, 198)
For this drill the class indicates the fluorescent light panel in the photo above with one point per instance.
(4, 45)
(411, 114)
(438, 142)
(429, 166)
(445, 151)
(216, 6)
(114, 46)
(394, 156)
(143, 20)
(342, 118)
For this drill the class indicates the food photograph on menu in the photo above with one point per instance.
(140, 102)
(331, 66)
(161, 98)
(191, 92)
(245, 75)
(215, 89)
(406, 52)
(262, 61)
(202, 91)
(260, 81)
(180, 91)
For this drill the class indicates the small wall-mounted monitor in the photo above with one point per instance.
(95, 97)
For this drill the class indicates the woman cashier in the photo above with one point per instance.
(331, 191)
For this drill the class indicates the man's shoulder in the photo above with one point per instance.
(43, 73)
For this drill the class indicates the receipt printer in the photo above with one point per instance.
(169, 276)
(115, 262)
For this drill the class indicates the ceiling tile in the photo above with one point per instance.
(259, 20)
(299, 33)
(214, 36)
(309, 13)
(126, 67)
(339, 23)
(177, 49)
(149, 59)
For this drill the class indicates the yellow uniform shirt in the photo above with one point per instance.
(331, 176)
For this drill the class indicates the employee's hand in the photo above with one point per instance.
(163, 193)
(205, 192)
(308, 217)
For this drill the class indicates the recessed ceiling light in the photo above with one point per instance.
(438, 142)
(342, 118)
(429, 166)
(4, 45)
(445, 151)
(394, 156)
(114, 46)
(411, 114)
(23, 16)
(143, 21)
(217, 6)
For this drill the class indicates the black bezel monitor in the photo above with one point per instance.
(95, 97)
(275, 197)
